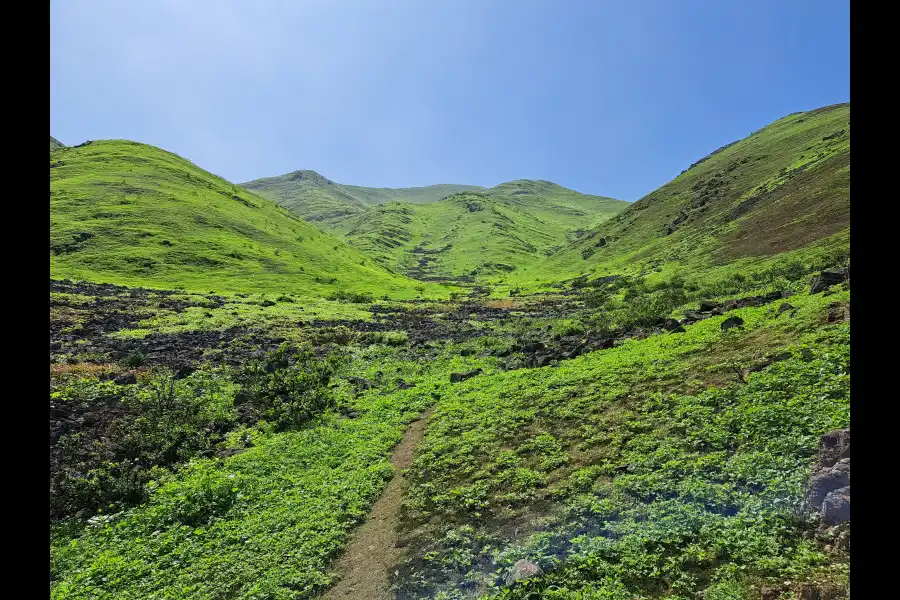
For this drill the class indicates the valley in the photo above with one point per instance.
(294, 389)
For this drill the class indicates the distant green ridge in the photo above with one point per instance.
(319, 200)
(474, 236)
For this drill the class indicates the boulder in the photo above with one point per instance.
(707, 305)
(126, 379)
(785, 306)
(457, 377)
(731, 322)
(523, 569)
(826, 279)
(827, 479)
(836, 506)
(834, 446)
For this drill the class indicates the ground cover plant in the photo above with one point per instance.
(637, 418)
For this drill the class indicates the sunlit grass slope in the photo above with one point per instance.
(785, 187)
(475, 236)
(128, 213)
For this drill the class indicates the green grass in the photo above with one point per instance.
(750, 200)
(474, 236)
(646, 470)
(264, 523)
(667, 466)
(326, 203)
(132, 214)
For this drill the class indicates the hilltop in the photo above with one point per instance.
(319, 200)
(128, 213)
(785, 188)
(472, 236)
(55, 144)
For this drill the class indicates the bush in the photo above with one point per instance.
(288, 387)
(135, 359)
(154, 425)
(355, 297)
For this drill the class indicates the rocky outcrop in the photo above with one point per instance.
(828, 278)
(828, 493)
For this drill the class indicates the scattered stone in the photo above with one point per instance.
(707, 305)
(785, 306)
(126, 379)
(731, 322)
(826, 279)
(457, 377)
(523, 569)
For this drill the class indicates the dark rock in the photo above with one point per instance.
(826, 279)
(184, 371)
(402, 384)
(785, 306)
(457, 377)
(523, 569)
(833, 447)
(467, 352)
(836, 506)
(707, 305)
(691, 316)
(731, 322)
(533, 347)
(126, 379)
(669, 324)
(827, 479)
(267, 303)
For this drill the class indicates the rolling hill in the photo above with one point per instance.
(473, 236)
(128, 213)
(319, 200)
(784, 188)
(55, 144)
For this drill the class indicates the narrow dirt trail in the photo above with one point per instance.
(372, 551)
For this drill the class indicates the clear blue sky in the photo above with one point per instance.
(605, 97)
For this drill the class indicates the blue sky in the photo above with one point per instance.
(605, 97)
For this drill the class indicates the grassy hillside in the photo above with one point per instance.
(129, 213)
(55, 144)
(319, 200)
(783, 188)
(473, 236)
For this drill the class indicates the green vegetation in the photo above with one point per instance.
(324, 202)
(639, 418)
(132, 214)
(55, 144)
(474, 236)
(784, 188)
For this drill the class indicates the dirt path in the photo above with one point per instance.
(364, 566)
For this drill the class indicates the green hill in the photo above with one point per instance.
(319, 200)
(55, 144)
(784, 188)
(128, 213)
(476, 235)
